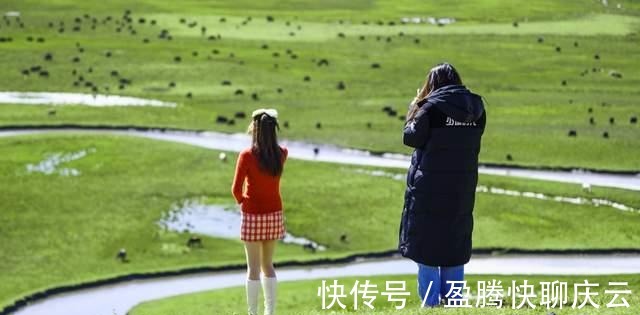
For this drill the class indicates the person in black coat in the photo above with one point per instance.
(444, 125)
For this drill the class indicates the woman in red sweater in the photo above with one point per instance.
(256, 186)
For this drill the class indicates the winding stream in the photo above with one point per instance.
(65, 98)
(328, 153)
(117, 299)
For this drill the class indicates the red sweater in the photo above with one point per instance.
(262, 191)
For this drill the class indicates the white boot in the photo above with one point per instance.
(253, 290)
(269, 291)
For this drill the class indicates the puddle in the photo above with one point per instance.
(526, 194)
(50, 165)
(63, 98)
(193, 216)
(431, 20)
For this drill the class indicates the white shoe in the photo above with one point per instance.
(269, 291)
(253, 290)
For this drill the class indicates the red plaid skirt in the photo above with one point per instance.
(262, 226)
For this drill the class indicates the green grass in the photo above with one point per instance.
(477, 11)
(588, 25)
(300, 297)
(62, 230)
(529, 111)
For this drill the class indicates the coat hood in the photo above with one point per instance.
(457, 102)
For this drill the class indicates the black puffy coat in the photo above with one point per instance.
(437, 220)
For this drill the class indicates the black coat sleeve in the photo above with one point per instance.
(416, 131)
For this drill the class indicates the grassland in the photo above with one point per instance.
(483, 11)
(530, 110)
(300, 297)
(59, 230)
(66, 229)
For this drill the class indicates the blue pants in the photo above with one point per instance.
(437, 277)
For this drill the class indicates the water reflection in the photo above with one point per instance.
(195, 216)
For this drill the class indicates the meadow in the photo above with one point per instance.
(546, 69)
(542, 79)
(68, 229)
